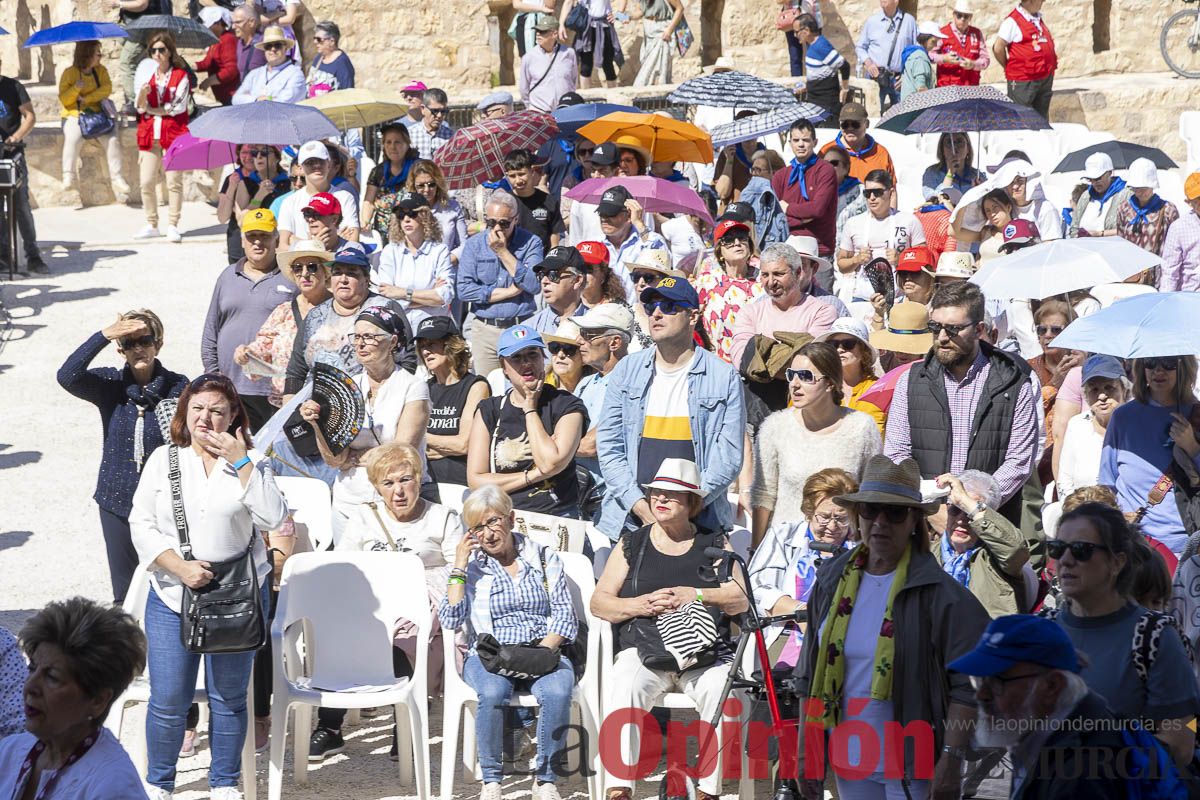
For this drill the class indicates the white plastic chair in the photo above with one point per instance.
(139, 692)
(460, 701)
(1189, 131)
(557, 533)
(453, 495)
(339, 655)
(601, 549)
(308, 500)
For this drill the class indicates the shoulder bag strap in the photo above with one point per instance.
(181, 525)
(895, 39)
(296, 314)
(637, 562)
(375, 509)
(546, 74)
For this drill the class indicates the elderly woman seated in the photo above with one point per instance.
(82, 656)
(505, 590)
(981, 549)
(638, 593)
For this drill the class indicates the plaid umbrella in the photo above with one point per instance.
(1122, 154)
(188, 33)
(475, 154)
(900, 116)
(773, 121)
(978, 115)
(733, 88)
(264, 122)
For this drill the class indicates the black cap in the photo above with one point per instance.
(612, 202)
(739, 212)
(563, 257)
(436, 328)
(410, 201)
(605, 155)
(571, 99)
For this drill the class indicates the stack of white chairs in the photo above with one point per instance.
(309, 502)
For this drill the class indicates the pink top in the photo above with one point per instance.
(810, 315)
(721, 299)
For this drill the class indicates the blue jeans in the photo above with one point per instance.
(795, 54)
(553, 693)
(173, 684)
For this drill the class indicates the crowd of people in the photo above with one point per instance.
(910, 467)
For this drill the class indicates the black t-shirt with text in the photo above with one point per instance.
(539, 215)
(446, 404)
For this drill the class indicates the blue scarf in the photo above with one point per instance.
(390, 181)
(908, 51)
(1117, 185)
(847, 184)
(956, 565)
(500, 184)
(933, 207)
(797, 173)
(856, 153)
(676, 177)
(1141, 216)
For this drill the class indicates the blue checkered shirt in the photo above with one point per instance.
(427, 143)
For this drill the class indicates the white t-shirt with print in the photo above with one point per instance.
(898, 231)
(291, 216)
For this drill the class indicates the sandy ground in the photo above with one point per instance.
(50, 545)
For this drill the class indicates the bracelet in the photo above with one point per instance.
(699, 596)
(458, 573)
(456, 580)
(241, 462)
(531, 411)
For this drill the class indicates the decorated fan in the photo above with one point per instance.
(342, 412)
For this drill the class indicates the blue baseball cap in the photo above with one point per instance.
(353, 256)
(518, 338)
(1102, 366)
(1018, 638)
(680, 290)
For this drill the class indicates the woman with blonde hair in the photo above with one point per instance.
(414, 268)
(162, 104)
(85, 87)
(425, 178)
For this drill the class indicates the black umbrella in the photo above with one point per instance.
(1122, 154)
(188, 32)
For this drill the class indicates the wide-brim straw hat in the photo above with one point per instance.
(273, 34)
(305, 249)
(887, 483)
(907, 330)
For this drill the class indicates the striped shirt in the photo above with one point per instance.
(822, 59)
(1181, 255)
(667, 426)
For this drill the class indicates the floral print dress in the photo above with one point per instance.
(721, 298)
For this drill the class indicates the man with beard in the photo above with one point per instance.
(1064, 741)
(967, 405)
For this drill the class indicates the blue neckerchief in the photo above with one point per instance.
(1141, 215)
(567, 146)
(253, 176)
(797, 173)
(737, 152)
(500, 184)
(392, 182)
(847, 184)
(956, 565)
(934, 207)
(908, 51)
(676, 177)
(856, 153)
(281, 178)
(1117, 185)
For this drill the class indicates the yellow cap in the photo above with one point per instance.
(1191, 187)
(259, 219)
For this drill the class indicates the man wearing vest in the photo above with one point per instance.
(1025, 48)
(966, 405)
(962, 54)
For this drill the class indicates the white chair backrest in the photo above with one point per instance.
(308, 500)
(1189, 131)
(557, 533)
(453, 495)
(581, 582)
(139, 592)
(601, 549)
(350, 603)
(497, 382)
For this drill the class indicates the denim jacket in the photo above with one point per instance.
(717, 419)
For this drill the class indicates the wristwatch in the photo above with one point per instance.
(409, 294)
(979, 508)
(955, 752)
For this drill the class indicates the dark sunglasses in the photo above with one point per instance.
(424, 186)
(871, 193)
(405, 213)
(851, 124)
(141, 341)
(1042, 330)
(802, 375)
(555, 275)
(299, 180)
(645, 277)
(502, 224)
(438, 112)
(837, 162)
(260, 153)
(322, 39)
(961, 15)
(734, 238)
(1169, 363)
(306, 269)
(893, 514)
(584, 152)
(275, 46)
(667, 307)
(845, 345)
(1080, 551)
(159, 50)
(568, 350)
(936, 329)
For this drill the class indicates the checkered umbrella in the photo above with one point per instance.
(187, 32)
(978, 115)
(729, 89)
(900, 116)
(475, 154)
(773, 121)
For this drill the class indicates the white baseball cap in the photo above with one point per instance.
(1096, 165)
(313, 149)
(607, 316)
(211, 15)
(928, 28)
(1142, 174)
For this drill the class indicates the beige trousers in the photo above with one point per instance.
(72, 145)
(149, 163)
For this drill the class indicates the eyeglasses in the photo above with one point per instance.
(836, 520)
(584, 152)
(802, 375)
(425, 186)
(502, 224)
(492, 523)
(836, 162)
(299, 180)
(1054, 330)
(154, 50)
(260, 153)
(141, 341)
(1080, 551)
(851, 124)
(651, 278)
(1168, 363)
(893, 514)
(556, 276)
(438, 112)
(996, 684)
(568, 350)
(366, 338)
(952, 331)
(667, 307)
(319, 39)
(275, 46)
(872, 193)
(306, 269)
(845, 345)
(406, 213)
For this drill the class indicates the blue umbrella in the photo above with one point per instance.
(978, 115)
(1142, 326)
(571, 118)
(773, 121)
(77, 31)
(264, 122)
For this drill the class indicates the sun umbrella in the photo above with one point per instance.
(188, 152)
(77, 31)
(358, 108)
(3, 32)
(655, 194)
(188, 33)
(733, 88)
(1122, 154)
(264, 122)
(773, 121)
(978, 115)
(1063, 265)
(880, 393)
(901, 115)
(1142, 326)
(475, 154)
(570, 118)
(665, 138)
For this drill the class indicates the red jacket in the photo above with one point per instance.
(970, 49)
(821, 206)
(221, 60)
(1033, 58)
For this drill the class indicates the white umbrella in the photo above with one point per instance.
(1063, 265)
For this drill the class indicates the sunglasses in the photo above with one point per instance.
(645, 277)
(568, 350)
(555, 275)
(275, 46)
(438, 112)
(1169, 363)
(141, 341)
(735, 238)
(322, 39)
(584, 152)
(405, 213)
(154, 50)
(893, 514)
(260, 153)
(936, 329)
(502, 224)
(851, 125)
(802, 375)
(873, 193)
(961, 15)
(306, 269)
(1054, 330)
(300, 180)
(836, 162)
(1080, 551)
(667, 307)
(424, 186)
(845, 345)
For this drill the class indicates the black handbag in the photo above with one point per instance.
(226, 614)
(516, 661)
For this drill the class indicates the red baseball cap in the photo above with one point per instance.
(916, 259)
(593, 253)
(726, 226)
(324, 204)
(1020, 231)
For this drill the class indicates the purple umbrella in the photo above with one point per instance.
(264, 122)
(188, 152)
(655, 194)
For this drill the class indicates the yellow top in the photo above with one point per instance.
(867, 408)
(97, 86)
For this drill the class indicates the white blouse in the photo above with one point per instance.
(221, 514)
(398, 266)
(433, 536)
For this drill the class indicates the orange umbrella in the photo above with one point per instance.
(664, 137)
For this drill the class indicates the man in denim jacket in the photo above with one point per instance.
(672, 401)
